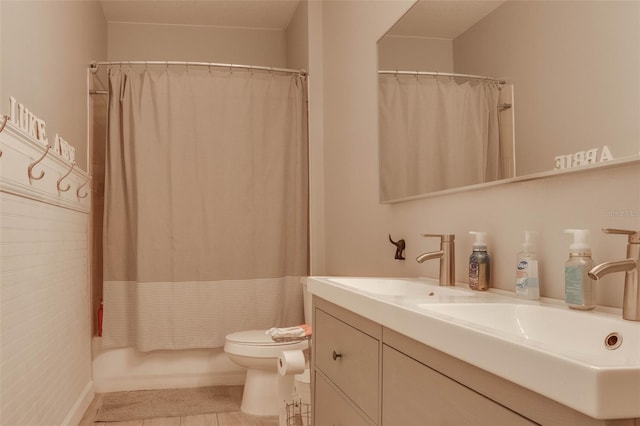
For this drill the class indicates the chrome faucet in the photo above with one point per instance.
(446, 254)
(631, 298)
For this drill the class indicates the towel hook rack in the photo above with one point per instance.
(6, 118)
(4, 123)
(79, 188)
(32, 165)
(63, 177)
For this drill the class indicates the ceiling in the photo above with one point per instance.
(264, 14)
(442, 18)
(428, 18)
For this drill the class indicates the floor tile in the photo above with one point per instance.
(200, 420)
(164, 421)
(240, 419)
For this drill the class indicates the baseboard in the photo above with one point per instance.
(80, 406)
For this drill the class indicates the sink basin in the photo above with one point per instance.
(597, 339)
(397, 287)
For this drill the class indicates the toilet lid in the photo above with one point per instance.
(255, 337)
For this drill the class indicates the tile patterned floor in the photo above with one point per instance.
(214, 419)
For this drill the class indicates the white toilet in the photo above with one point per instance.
(258, 353)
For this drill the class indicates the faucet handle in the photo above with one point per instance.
(443, 237)
(634, 236)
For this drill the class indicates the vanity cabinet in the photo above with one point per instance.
(382, 377)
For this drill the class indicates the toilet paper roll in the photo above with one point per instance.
(291, 362)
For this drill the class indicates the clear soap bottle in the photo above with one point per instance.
(527, 283)
(578, 287)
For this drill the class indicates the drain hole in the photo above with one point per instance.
(612, 341)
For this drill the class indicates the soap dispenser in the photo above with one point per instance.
(479, 271)
(527, 284)
(578, 287)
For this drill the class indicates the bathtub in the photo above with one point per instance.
(126, 369)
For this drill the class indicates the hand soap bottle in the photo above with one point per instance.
(578, 287)
(479, 271)
(527, 284)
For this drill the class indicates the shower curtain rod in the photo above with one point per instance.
(95, 65)
(444, 74)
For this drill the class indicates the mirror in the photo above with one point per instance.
(573, 68)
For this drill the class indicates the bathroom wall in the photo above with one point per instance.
(46, 340)
(46, 47)
(156, 42)
(415, 54)
(297, 38)
(356, 226)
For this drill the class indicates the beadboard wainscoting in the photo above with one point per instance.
(45, 333)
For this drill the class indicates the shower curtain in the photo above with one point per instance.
(437, 133)
(205, 205)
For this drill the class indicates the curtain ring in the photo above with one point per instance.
(32, 165)
(79, 188)
(64, 177)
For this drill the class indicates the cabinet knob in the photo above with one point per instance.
(336, 355)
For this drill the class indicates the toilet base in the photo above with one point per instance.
(265, 392)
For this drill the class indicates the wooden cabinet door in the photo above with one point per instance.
(416, 395)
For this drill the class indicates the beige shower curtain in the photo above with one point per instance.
(205, 205)
(437, 133)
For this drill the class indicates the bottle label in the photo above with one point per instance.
(473, 275)
(479, 271)
(527, 278)
(573, 284)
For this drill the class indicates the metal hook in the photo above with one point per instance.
(32, 165)
(6, 118)
(80, 187)
(63, 177)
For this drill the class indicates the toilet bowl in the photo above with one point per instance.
(258, 353)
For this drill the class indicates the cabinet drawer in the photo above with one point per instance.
(415, 395)
(331, 409)
(350, 359)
